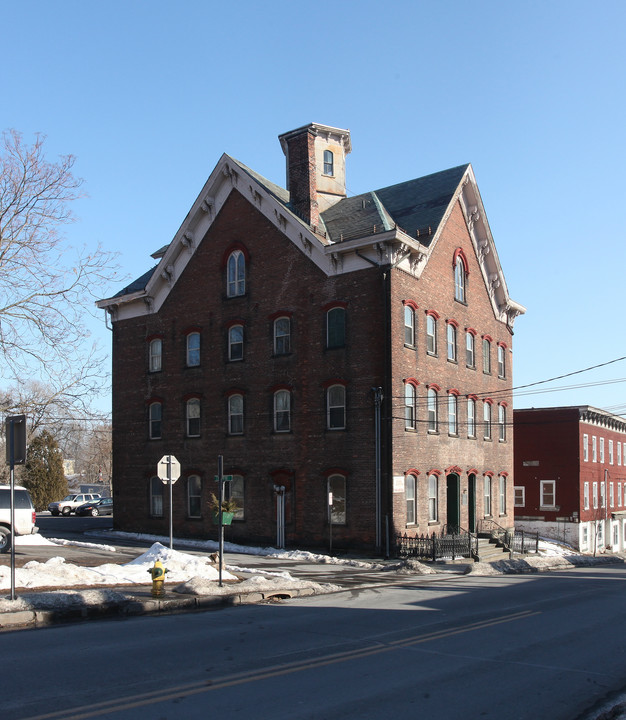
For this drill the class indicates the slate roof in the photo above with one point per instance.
(138, 284)
(415, 205)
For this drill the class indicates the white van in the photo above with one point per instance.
(25, 517)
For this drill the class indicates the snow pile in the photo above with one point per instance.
(539, 563)
(262, 584)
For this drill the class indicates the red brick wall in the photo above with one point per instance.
(279, 278)
(424, 451)
(301, 174)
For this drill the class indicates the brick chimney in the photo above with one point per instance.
(316, 168)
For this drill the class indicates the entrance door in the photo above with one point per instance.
(471, 481)
(453, 517)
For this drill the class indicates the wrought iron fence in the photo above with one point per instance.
(524, 542)
(437, 547)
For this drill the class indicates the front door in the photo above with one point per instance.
(453, 517)
(471, 481)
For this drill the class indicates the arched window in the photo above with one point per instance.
(453, 428)
(502, 423)
(329, 163)
(336, 499)
(459, 279)
(470, 358)
(409, 406)
(282, 411)
(336, 407)
(502, 495)
(487, 496)
(235, 343)
(193, 417)
(431, 335)
(410, 493)
(235, 415)
(155, 413)
(155, 362)
(193, 349)
(432, 410)
(451, 344)
(487, 420)
(236, 274)
(282, 336)
(433, 498)
(501, 361)
(194, 496)
(156, 497)
(471, 417)
(487, 356)
(409, 326)
(336, 327)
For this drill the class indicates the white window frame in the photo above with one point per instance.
(595, 495)
(236, 274)
(459, 279)
(431, 335)
(501, 361)
(282, 411)
(594, 448)
(410, 400)
(487, 421)
(470, 350)
(501, 423)
(520, 496)
(471, 418)
(453, 412)
(451, 342)
(235, 414)
(410, 495)
(547, 489)
(610, 452)
(192, 417)
(487, 489)
(409, 326)
(235, 343)
(433, 498)
(282, 335)
(432, 403)
(611, 494)
(156, 355)
(335, 405)
(585, 448)
(193, 349)
(619, 452)
(502, 485)
(486, 356)
(155, 420)
(586, 495)
(194, 496)
(601, 449)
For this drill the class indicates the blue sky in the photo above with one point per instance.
(149, 95)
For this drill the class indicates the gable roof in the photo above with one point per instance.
(398, 225)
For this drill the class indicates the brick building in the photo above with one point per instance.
(354, 350)
(570, 475)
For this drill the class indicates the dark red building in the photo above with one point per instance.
(570, 475)
(349, 357)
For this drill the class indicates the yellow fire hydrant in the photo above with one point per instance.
(158, 577)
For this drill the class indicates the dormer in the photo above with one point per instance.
(316, 168)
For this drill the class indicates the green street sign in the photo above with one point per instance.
(226, 478)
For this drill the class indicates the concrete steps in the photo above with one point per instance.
(489, 551)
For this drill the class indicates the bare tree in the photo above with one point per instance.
(46, 287)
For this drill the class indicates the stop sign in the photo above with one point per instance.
(168, 468)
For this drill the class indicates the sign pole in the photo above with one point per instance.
(12, 503)
(170, 483)
(220, 496)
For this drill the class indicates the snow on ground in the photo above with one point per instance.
(197, 575)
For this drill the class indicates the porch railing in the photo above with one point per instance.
(517, 541)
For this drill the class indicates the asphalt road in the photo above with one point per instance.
(546, 646)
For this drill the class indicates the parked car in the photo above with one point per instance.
(25, 517)
(71, 502)
(104, 506)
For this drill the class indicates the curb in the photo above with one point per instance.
(134, 606)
